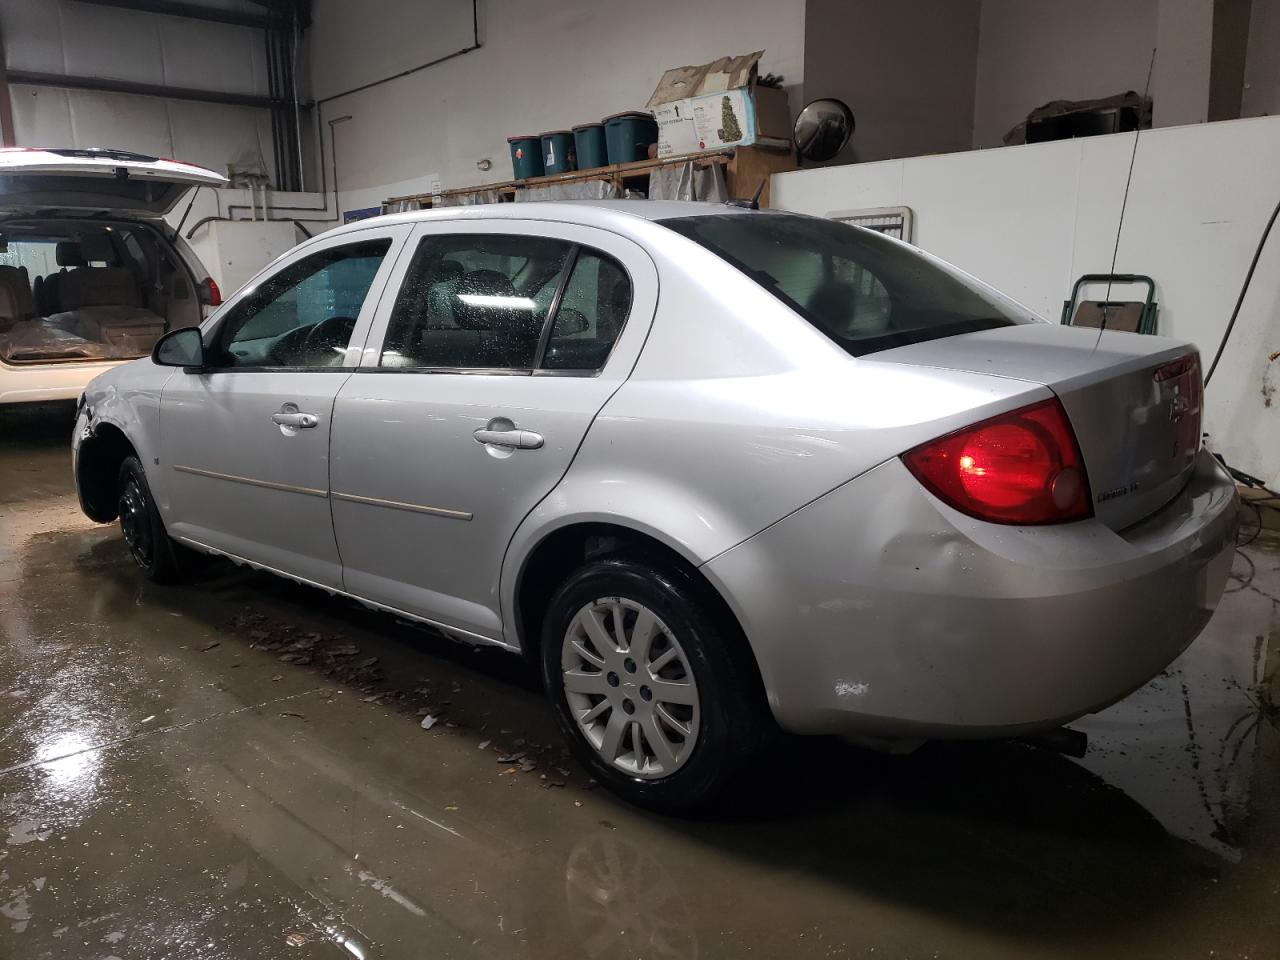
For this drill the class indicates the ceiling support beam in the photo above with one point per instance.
(192, 11)
(108, 85)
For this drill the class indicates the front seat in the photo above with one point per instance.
(67, 253)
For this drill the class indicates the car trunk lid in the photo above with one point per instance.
(95, 182)
(1134, 402)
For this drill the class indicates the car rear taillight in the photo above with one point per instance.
(1022, 467)
(209, 293)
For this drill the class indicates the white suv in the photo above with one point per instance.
(90, 273)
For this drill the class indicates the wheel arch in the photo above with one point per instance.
(98, 469)
(560, 551)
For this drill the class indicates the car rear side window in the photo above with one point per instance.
(864, 291)
(592, 312)
(509, 302)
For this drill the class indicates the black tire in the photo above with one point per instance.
(143, 530)
(730, 711)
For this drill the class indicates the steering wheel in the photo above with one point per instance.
(326, 340)
(288, 349)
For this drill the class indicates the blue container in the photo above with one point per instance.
(629, 135)
(526, 156)
(558, 152)
(590, 142)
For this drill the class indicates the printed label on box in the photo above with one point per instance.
(706, 123)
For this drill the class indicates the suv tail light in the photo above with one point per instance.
(1022, 467)
(208, 293)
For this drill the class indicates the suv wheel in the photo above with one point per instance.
(646, 684)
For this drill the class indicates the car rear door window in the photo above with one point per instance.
(302, 316)
(506, 302)
(475, 301)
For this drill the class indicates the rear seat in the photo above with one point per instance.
(16, 299)
(97, 287)
(103, 304)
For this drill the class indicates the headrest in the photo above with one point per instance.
(96, 248)
(476, 306)
(68, 254)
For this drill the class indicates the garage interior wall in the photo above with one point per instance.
(540, 67)
(906, 68)
(1031, 219)
(82, 39)
(1261, 94)
(1034, 51)
(937, 76)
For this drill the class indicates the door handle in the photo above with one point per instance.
(516, 439)
(302, 421)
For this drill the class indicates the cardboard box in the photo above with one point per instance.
(717, 104)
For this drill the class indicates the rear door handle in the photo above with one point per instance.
(516, 439)
(303, 421)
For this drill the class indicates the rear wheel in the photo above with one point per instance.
(646, 683)
(143, 530)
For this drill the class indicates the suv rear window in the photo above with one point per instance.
(85, 290)
(864, 291)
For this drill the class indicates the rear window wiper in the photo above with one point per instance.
(96, 153)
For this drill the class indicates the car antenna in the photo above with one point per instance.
(1124, 203)
(754, 202)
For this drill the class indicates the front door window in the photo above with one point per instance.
(302, 316)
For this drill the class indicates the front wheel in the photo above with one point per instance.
(143, 530)
(647, 683)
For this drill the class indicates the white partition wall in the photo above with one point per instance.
(1032, 219)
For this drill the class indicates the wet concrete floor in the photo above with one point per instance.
(223, 770)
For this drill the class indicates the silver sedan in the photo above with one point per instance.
(715, 471)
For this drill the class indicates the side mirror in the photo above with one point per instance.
(180, 348)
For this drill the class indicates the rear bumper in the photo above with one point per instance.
(879, 611)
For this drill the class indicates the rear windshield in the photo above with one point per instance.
(862, 290)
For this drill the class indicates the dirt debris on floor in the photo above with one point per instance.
(338, 659)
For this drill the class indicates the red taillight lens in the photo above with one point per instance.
(210, 295)
(1022, 467)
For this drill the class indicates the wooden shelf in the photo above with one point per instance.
(744, 167)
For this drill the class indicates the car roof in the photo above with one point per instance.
(600, 213)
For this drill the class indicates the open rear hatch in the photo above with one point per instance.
(1133, 401)
(95, 181)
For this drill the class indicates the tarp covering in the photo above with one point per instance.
(585, 190)
(90, 333)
